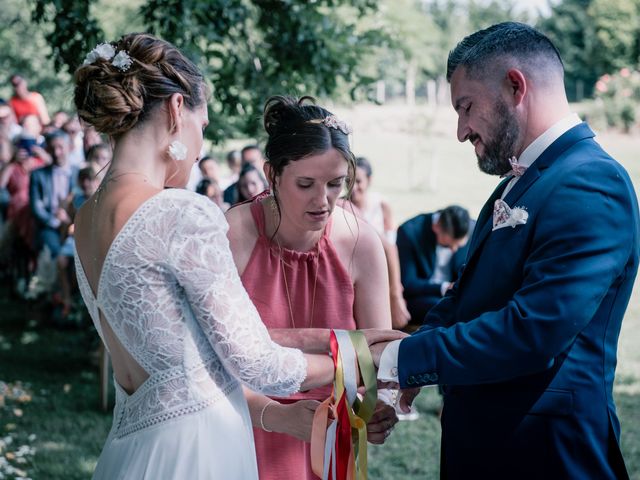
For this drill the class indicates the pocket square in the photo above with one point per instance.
(505, 216)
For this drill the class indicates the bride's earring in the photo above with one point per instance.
(177, 150)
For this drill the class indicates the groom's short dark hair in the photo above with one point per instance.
(479, 52)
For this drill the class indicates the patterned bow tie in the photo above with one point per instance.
(517, 170)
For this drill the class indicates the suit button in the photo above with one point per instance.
(411, 380)
(433, 377)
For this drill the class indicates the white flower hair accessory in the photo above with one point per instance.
(504, 216)
(332, 121)
(102, 50)
(178, 151)
(122, 61)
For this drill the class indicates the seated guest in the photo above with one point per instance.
(25, 102)
(73, 128)
(9, 127)
(251, 182)
(87, 185)
(209, 168)
(49, 188)
(432, 248)
(250, 155)
(211, 189)
(58, 119)
(234, 164)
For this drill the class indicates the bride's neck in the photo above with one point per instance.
(137, 151)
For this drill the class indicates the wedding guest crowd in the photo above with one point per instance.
(48, 163)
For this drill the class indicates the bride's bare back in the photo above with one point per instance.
(97, 224)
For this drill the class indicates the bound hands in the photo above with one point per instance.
(378, 341)
(296, 419)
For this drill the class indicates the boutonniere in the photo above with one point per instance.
(505, 216)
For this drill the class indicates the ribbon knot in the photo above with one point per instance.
(517, 170)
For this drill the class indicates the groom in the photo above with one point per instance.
(525, 343)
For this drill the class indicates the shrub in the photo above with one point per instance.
(618, 96)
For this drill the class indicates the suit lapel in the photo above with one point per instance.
(566, 140)
(428, 244)
(484, 223)
(557, 148)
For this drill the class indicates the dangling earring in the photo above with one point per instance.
(275, 208)
(177, 150)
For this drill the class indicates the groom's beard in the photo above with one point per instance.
(501, 146)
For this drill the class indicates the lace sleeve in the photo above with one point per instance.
(203, 265)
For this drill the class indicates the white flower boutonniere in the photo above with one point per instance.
(505, 216)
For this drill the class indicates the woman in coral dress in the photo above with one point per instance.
(308, 266)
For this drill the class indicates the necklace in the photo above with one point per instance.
(112, 178)
(96, 198)
(286, 284)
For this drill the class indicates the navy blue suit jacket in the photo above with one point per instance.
(527, 338)
(417, 243)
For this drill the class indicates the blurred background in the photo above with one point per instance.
(380, 65)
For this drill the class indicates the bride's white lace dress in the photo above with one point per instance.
(171, 293)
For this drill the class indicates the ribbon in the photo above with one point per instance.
(339, 432)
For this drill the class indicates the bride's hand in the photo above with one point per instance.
(376, 352)
(295, 419)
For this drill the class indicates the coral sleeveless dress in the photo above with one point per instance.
(281, 282)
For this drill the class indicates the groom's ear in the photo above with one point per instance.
(516, 84)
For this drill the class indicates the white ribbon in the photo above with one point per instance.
(349, 359)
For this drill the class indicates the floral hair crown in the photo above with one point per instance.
(332, 121)
(122, 61)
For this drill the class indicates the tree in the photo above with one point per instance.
(26, 51)
(249, 50)
(594, 37)
(616, 24)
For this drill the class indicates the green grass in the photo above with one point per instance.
(418, 166)
(55, 368)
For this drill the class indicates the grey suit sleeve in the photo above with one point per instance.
(37, 203)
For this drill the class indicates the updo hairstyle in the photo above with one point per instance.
(115, 101)
(296, 131)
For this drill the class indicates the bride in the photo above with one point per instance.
(158, 278)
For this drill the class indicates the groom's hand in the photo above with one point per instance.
(381, 424)
(377, 349)
(407, 396)
(377, 335)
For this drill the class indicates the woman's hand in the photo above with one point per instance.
(295, 419)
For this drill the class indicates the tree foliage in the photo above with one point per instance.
(26, 51)
(247, 49)
(594, 37)
(251, 49)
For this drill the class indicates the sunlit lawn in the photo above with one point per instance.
(418, 166)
